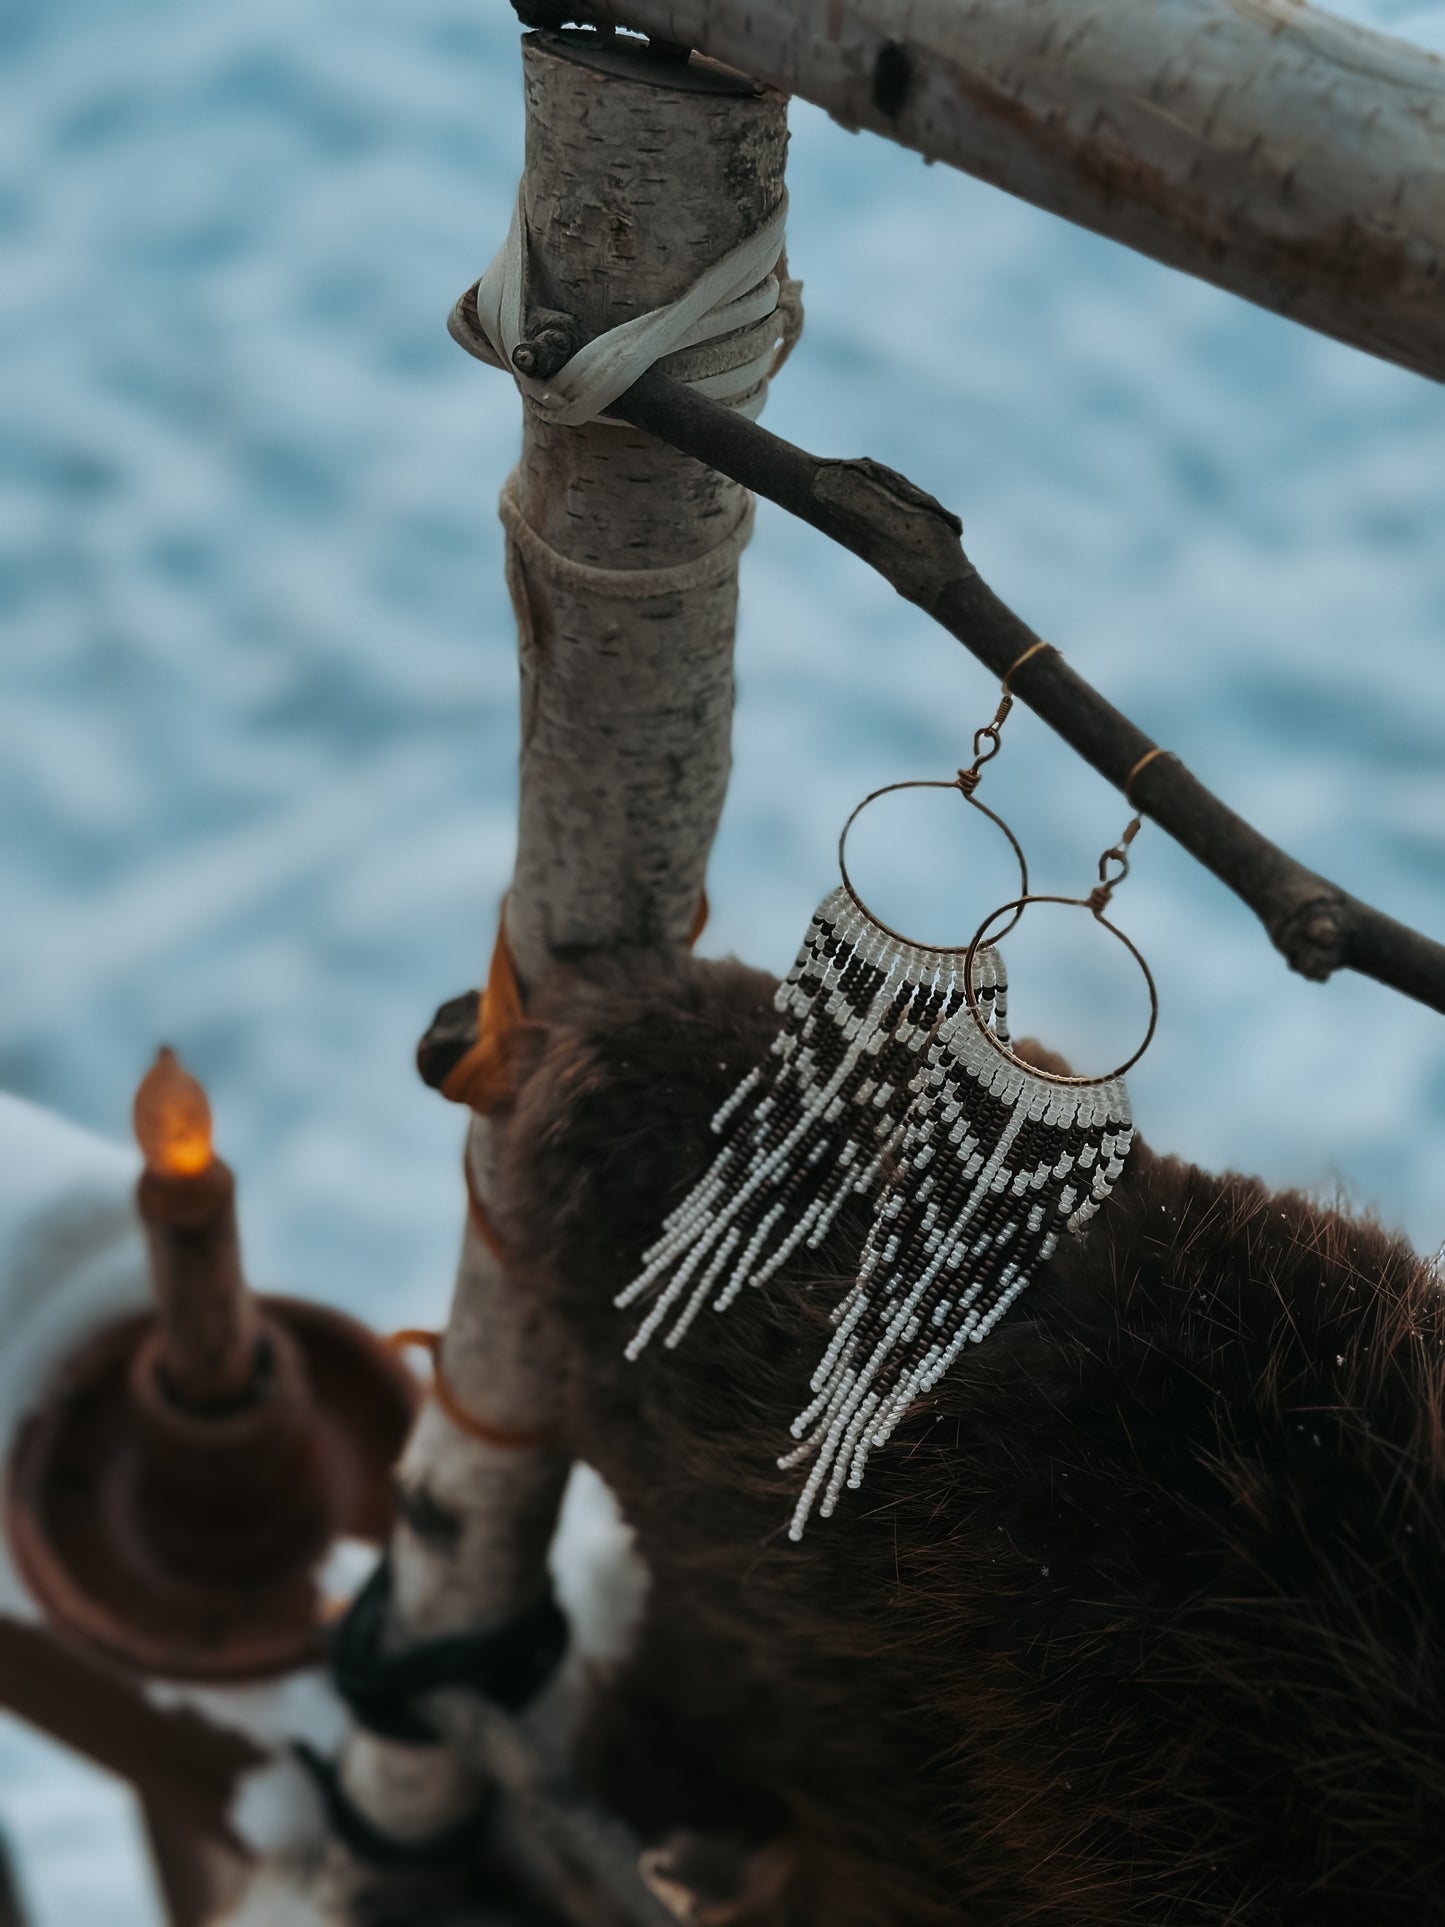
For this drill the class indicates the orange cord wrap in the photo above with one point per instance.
(441, 1391)
(485, 1078)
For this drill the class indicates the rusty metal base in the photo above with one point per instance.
(186, 1545)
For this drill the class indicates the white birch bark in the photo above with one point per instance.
(634, 186)
(639, 175)
(1288, 156)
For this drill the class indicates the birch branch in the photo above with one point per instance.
(1262, 145)
(622, 562)
(915, 543)
(633, 186)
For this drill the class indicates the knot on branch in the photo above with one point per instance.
(552, 338)
(892, 76)
(1312, 932)
(900, 529)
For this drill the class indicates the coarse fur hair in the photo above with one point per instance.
(1137, 1619)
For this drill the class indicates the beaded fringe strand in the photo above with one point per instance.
(816, 1124)
(994, 1164)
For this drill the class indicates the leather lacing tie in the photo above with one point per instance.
(485, 1078)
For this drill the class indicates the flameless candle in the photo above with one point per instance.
(187, 1202)
(176, 1492)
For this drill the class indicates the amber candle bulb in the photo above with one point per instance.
(187, 1202)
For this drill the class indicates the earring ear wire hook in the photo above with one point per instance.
(985, 745)
(1098, 898)
(986, 740)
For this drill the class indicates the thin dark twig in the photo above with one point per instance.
(915, 543)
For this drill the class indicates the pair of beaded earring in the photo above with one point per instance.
(893, 1078)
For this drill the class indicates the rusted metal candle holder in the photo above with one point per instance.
(174, 1496)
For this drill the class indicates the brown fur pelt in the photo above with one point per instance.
(1137, 1620)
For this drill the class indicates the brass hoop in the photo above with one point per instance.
(1018, 907)
(928, 783)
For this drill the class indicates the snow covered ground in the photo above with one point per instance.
(257, 692)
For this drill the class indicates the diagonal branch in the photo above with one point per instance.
(914, 543)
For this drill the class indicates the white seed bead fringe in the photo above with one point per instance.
(927, 1284)
(815, 1126)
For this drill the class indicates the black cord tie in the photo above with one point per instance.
(509, 1667)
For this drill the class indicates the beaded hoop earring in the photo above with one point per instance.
(996, 1160)
(819, 1121)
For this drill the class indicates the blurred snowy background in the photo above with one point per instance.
(257, 694)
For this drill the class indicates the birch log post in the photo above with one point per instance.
(622, 565)
(1288, 156)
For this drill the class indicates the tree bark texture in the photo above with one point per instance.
(639, 173)
(1284, 155)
